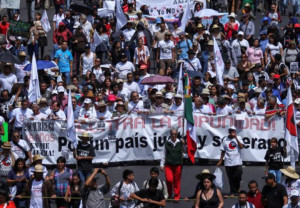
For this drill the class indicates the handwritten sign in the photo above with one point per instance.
(19, 28)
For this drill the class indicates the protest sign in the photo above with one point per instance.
(19, 28)
(10, 4)
(4, 138)
(294, 67)
(136, 137)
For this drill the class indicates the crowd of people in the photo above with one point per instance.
(104, 68)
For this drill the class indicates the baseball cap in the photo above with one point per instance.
(111, 98)
(169, 95)
(87, 45)
(60, 89)
(241, 33)
(232, 128)
(276, 76)
(231, 86)
(178, 96)
(297, 101)
(87, 101)
(294, 192)
(158, 20)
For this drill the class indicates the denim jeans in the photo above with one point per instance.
(84, 174)
(277, 174)
(67, 76)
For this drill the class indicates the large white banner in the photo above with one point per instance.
(10, 4)
(137, 137)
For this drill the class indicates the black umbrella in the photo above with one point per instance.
(7, 57)
(82, 8)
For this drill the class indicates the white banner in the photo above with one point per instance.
(137, 137)
(10, 4)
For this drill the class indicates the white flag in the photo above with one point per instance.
(121, 18)
(180, 83)
(219, 64)
(71, 133)
(187, 15)
(291, 134)
(45, 22)
(34, 92)
(96, 41)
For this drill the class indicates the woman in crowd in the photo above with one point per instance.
(42, 35)
(255, 54)
(273, 47)
(208, 196)
(74, 191)
(291, 180)
(230, 26)
(17, 179)
(103, 48)
(141, 54)
(290, 53)
(115, 53)
(107, 86)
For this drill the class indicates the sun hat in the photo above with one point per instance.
(205, 172)
(290, 172)
(37, 157)
(38, 168)
(6, 145)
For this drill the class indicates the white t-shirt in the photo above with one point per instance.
(274, 49)
(87, 28)
(124, 69)
(40, 116)
(133, 86)
(36, 200)
(6, 163)
(259, 111)
(17, 150)
(224, 111)
(128, 34)
(60, 114)
(236, 46)
(205, 109)
(124, 93)
(232, 151)
(58, 18)
(19, 114)
(166, 49)
(106, 114)
(195, 62)
(178, 110)
(137, 107)
(7, 82)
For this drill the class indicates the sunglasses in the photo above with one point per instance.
(158, 98)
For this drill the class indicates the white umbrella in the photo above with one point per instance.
(207, 13)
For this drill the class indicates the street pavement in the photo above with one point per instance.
(188, 180)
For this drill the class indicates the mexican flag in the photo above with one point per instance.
(188, 114)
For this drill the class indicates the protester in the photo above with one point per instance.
(231, 153)
(254, 195)
(291, 181)
(294, 199)
(8, 159)
(273, 194)
(154, 173)
(242, 200)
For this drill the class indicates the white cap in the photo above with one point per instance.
(258, 90)
(241, 33)
(297, 101)
(232, 128)
(294, 192)
(54, 92)
(169, 95)
(60, 89)
(231, 86)
(207, 32)
(178, 96)
(87, 101)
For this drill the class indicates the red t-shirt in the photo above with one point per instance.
(10, 204)
(4, 28)
(255, 200)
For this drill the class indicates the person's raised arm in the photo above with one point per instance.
(90, 178)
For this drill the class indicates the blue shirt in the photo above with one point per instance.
(184, 46)
(263, 44)
(64, 58)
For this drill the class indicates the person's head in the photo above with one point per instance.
(154, 172)
(61, 162)
(153, 183)
(38, 16)
(270, 180)
(272, 101)
(245, 18)
(60, 10)
(107, 82)
(24, 104)
(83, 18)
(20, 165)
(7, 69)
(158, 98)
(75, 179)
(261, 102)
(128, 175)
(129, 77)
(207, 182)
(168, 36)
(4, 196)
(240, 35)
(173, 134)
(43, 86)
(64, 45)
(232, 131)
(178, 99)
(294, 197)
(242, 197)
(227, 64)
(198, 102)
(87, 103)
(38, 172)
(120, 107)
(35, 108)
(55, 106)
(253, 187)
(273, 142)
(134, 97)
(4, 19)
(273, 7)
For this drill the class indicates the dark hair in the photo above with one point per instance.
(71, 182)
(15, 168)
(275, 39)
(242, 192)
(153, 182)
(5, 194)
(61, 159)
(251, 182)
(277, 57)
(56, 103)
(155, 170)
(126, 173)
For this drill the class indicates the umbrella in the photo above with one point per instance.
(41, 65)
(7, 57)
(157, 79)
(207, 13)
(82, 8)
(193, 74)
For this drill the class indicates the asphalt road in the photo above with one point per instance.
(188, 181)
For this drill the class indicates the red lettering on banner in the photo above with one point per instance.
(254, 122)
(231, 121)
(165, 121)
(128, 121)
(179, 121)
(139, 121)
(262, 125)
(202, 119)
(244, 124)
(212, 122)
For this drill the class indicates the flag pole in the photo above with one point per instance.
(183, 94)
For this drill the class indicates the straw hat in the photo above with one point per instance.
(205, 172)
(290, 172)
(85, 135)
(215, 26)
(37, 157)
(38, 169)
(6, 145)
